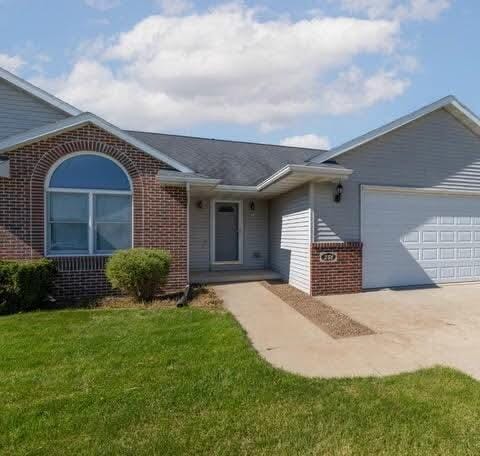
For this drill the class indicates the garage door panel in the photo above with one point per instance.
(416, 239)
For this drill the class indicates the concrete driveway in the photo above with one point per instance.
(414, 329)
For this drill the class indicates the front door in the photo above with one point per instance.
(227, 232)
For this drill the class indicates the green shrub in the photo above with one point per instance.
(25, 285)
(139, 272)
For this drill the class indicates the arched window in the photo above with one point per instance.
(89, 206)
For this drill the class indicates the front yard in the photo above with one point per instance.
(186, 381)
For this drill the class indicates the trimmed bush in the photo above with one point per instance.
(140, 273)
(25, 285)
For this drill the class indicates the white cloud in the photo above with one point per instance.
(397, 9)
(226, 65)
(310, 140)
(354, 90)
(11, 63)
(174, 7)
(102, 5)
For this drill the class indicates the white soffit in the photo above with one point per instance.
(285, 179)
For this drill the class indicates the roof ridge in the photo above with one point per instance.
(226, 140)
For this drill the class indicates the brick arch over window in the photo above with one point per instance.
(37, 188)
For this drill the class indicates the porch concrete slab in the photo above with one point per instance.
(414, 329)
(233, 276)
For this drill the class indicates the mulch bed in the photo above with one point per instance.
(334, 323)
(201, 297)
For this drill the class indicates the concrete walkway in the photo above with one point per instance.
(414, 329)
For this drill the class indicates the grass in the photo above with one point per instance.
(186, 381)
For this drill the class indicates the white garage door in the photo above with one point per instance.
(413, 238)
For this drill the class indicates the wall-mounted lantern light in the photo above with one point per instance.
(252, 206)
(338, 193)
(200, 204)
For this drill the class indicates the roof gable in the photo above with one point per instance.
(37, 134)
(449, 104)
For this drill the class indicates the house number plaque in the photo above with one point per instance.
(328, 257)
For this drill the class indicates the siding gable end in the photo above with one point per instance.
(21, 111)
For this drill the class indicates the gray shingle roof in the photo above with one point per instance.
(235, 163)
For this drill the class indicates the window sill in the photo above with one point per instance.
(77, 255)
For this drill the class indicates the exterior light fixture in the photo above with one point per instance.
(338, 193)
(200, 204)
(252, 206)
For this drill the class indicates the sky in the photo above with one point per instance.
(312, 73)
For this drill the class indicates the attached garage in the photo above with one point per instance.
(419, 237)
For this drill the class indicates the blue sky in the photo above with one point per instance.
(320, 72)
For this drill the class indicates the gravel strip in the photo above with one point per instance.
(334, 323)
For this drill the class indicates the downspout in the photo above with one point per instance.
(188, 233)
(311, 201)
(185, 297)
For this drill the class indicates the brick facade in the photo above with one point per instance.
(341, 276)
(159, 212)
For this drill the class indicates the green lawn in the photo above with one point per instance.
(186, 381)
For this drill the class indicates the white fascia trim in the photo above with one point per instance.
(38, 93)
(465, 111)
(61, 126)
(360, 140)
(237, 188)
(186, 178)
(314, 171)
(421, 190)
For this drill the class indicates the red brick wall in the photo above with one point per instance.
(159, 219)
(342, 276)
(81, 277)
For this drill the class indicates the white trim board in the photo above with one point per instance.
(174, 177)
(333, 171)
(461, 112)
(428, 190)
(36, 134)
(38, 93)
(213, 203)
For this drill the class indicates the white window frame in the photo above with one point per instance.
(91, 196)
(240, 231)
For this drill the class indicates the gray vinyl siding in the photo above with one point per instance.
(290, 237)
(199, 235)
(434, 151)
(4, 168)
(255, 241)
(20, 111)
